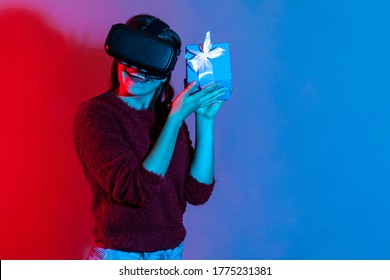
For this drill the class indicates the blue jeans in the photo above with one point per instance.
(97, 253)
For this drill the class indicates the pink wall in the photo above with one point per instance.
(44, 199)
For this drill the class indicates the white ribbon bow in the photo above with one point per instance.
(201, 61)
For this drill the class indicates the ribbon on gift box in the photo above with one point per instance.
(201, 64)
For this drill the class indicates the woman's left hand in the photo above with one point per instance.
(210, 108)
(209, 111)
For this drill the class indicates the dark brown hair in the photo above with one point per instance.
(164, 94)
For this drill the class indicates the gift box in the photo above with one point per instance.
(207, 63)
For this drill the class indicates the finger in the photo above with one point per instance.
(207, 90)
(215, 103)
(189, 89)
(219, 104)
(212, 101)
(213, 87)
(214, 95)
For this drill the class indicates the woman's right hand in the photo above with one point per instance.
(188, 100)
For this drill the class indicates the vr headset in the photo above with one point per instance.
(153, 56)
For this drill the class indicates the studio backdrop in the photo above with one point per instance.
(302, 147)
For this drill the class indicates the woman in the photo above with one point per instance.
(137, 157)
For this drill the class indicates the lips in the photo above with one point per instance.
(136, 77)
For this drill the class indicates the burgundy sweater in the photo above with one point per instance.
(134, 209)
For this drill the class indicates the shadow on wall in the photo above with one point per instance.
(45, 201)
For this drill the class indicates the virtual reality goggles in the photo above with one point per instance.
(153, 56)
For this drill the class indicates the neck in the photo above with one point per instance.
(135, 101)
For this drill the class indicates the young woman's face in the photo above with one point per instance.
(133, 82)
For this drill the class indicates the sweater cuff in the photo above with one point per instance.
(197, 192)
(195, 182)
(153, 178)
(151, 185)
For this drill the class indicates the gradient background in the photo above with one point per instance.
(302, 148)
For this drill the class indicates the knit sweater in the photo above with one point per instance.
(134, 209)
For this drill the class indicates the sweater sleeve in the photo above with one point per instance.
(109, 160)
(195, 192)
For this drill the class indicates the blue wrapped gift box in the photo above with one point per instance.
(215, 69)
